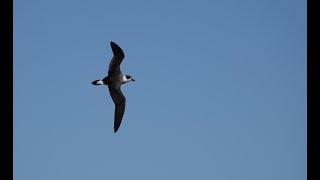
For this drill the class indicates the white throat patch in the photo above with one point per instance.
(124, 79)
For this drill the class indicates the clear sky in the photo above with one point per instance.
(220, 90)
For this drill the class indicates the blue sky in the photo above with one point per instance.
(220, 90)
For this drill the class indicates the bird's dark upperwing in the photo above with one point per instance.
(120, 104)
(117, 58)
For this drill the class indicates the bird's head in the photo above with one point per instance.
(128, 78)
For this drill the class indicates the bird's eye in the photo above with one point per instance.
(128, 77)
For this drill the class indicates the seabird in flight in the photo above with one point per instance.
(114, 80)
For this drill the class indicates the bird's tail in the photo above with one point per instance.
(97, 82)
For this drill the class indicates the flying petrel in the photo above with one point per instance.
(114, 80)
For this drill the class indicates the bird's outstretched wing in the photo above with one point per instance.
(117, 58)
(120, 104)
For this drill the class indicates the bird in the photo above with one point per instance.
(114, 80)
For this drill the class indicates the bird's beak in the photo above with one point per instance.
(133, 79)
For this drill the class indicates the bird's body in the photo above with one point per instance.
(114, 80)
